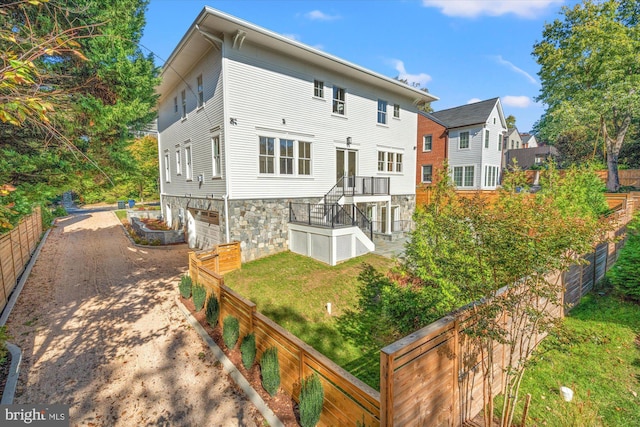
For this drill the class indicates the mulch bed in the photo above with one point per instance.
(281, 404)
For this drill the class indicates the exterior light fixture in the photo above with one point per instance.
(348, 141)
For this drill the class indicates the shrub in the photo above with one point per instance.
(248, 350)
(4, 336)
(185, 286)
(213, 310)
(199, 296)
(625, 272)
(311, 400)
(270, 368)
(230, 331)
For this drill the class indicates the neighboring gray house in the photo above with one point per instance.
(275, 144)
(528, 140)
(475, 143)
(528, 157)
(513, 139)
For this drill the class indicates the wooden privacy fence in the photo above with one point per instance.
(347, 400)
(16, 248)
(432, 377)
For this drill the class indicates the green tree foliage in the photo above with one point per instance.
(590, 73)
(511, 121)
(74, 87)
(625, 274)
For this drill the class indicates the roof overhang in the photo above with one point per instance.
(212, 27)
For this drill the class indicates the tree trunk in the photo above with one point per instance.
(613, 179)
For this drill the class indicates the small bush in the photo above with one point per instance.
(185, 286)
(213, 310)
(270, 368)
(626, 271)
(199, 296)
(311, 400)
(230, 331)
(4, 336)
(248, 350)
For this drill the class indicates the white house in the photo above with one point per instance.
(475, 143)
(278, 145)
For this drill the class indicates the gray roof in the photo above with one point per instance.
(466, 115)
(526, 157)
(526, 137)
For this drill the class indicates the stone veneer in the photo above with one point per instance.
(261, 225)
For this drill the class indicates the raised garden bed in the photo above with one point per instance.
(147, 229)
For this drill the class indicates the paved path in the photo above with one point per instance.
(100, 331)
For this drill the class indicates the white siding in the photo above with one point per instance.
(195, 130)
(265, 89)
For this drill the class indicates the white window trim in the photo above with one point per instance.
(183, 105)
(216, 171)
(322, 89)
(276, 155)
(460, 140)
(200, 94)
(422, 174)
(394, 163)
(344, 101)
(424, 143)
(464, 174)
(167, 166)
(398, 111)
(382, 113)
(178, 160)
(188, 160)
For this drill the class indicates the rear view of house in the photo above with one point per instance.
(275, 144)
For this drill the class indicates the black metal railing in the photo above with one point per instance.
(358, 186)
(330, 216)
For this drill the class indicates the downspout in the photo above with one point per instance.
(226, 217)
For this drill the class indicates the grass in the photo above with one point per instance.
(597, 354)
(121, 214)
(294, 290)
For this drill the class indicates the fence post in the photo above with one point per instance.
(309, 212)
(455, 404)
(386, 390)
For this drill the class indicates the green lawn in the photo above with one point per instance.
(597, 354)
(121, 214)
(294, 290)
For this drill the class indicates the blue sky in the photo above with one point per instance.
(461, 50)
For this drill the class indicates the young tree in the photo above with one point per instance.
(590, 74)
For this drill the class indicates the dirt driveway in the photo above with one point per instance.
(100, 331)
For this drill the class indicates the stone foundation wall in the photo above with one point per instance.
(161, 236)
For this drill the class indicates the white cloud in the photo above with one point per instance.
(517, 101)
(422, 79)
(475, 8)
(473, 100)
(317, 15)
(510, 65)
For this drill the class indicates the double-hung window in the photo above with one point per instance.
(178, 162)
(398, 162)
(175, 104)
(490, 176)
(382, 111)
(486, 138)
(499, 142)
(200, 91)
(396, 111)
(464, 140)
(267, 155)
(381, 161)
(318, 89)
(167, 167)
(188, 163)
(183, 98)
(215, 150)
(339, 100)
(304, 158)
(427, 173)
(389, 161)
(427, 143)
(286, 156)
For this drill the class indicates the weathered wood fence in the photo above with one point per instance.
(16, 248)
(348, 401)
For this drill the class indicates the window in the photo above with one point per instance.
(215, 150)
(178, 162)
(304, 158)
(318, 89)
(187, 161)
(491, 176)
(286, 156)
(390, 157)
(183, 97)
(499, 142)
(463, 176)
(167, 167)
(382, 111)
(427, 173)
(513, 144)
(396, 111)
(468, 176)
(175, 104)
(464, 140)
(389, 162)
(539, 159)
(200, 92)
(338, 100)
(486, 138)
(267, 155)
(427, 143)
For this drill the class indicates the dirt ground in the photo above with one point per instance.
(99, 330)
